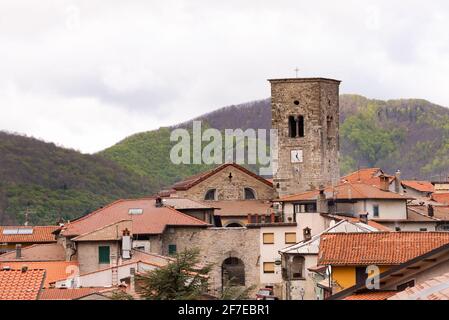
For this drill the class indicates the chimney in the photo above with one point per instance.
(397, 187)
(159, 202)
(126, 244)
(384, 183)
(364, 218)
(430, 210)
(18, 251)
(321, 202)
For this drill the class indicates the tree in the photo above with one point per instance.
(182, 279)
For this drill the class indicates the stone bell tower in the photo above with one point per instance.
(305, 112)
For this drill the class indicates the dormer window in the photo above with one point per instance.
(250, 194)
(210, 195)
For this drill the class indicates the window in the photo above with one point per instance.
(360, 275)
(298, 264)
(397, 229)
(376, 211)
(268, 238)
(406, 285)
(171, 249)
(104, 254)
(210, 195)
(305, 208)
(423, 229)
(268, 267)
(249, 194)
(290, 237)
(296, 126)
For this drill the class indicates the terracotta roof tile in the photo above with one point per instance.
(152, 220)
(376, 295)
(367, 175)
(381, 248)
(422, 186)
(37, 252)
(54, 269)
(194, 180)
(18, 285)
(242, 207)
(441, 198)
(347, 191)
(39, 234)
(67, 294)
(434, 289)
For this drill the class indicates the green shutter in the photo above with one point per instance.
(171, 249)
(103, 254)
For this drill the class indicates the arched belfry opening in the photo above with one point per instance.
(296, 126)
(233, 272)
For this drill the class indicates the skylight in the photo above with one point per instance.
(135, 211)
(17, 231)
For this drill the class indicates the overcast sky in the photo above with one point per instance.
(86, 74)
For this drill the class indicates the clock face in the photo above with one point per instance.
(296, 156)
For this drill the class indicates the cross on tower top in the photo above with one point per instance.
(296, 71)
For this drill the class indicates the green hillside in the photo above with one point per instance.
(53, 182)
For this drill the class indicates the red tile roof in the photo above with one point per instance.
(37, 252)
(376, 295)
(441, 198)
(55, 270)
(67, 294)
(347, 191)
(242, 207)
(153, 220)
(194, 180)
(368, 176)
(40, 234)
(422, 186)
(18, 285)
(381, 248)
(433, 289)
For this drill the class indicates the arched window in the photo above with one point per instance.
(298, 264)
(292, 127)
(301, 126)
(210, 195)
(233, 271)
(234, 225)
(250, 194)
(296, 127)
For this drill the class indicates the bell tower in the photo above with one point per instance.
(305, 112)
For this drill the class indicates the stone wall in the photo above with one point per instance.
(218, 244)
(229, 189)
(317, 100)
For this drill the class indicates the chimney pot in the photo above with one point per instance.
(18, 251)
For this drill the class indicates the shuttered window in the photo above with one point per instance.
(104, 254)
(268, 267)
(268, 238)
(290, 237)
(171, 249)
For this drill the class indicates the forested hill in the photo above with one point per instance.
(410, 135)
(54, 182)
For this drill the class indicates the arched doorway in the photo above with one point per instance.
(233, 272)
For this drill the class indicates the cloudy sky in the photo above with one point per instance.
(86, 74)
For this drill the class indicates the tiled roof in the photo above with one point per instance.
(151, 220)
(381, 248)
(440, 213)
(422, 186)
(37, 252)
(242, 207)
(54, 269)
(367, 175)
(194, 180)
(347, 191)
(441, 198)
(39, 234)
(185, 204)
(434, 289)
(375, 295)
(67, 294)
(21, 285)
